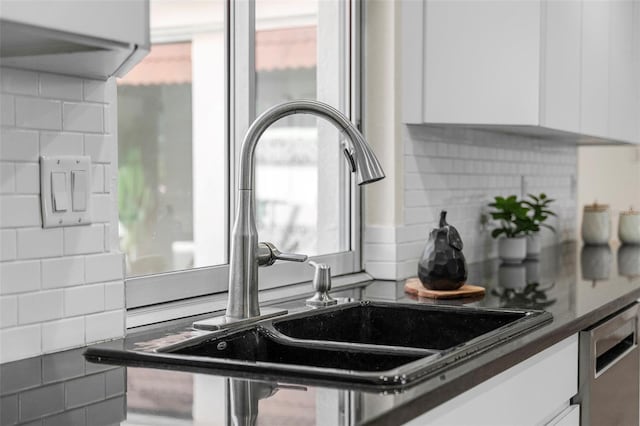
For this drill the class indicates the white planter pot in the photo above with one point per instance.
(533, 246)
(512, 250)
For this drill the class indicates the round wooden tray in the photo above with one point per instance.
(414, 286)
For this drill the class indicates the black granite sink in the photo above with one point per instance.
(412, 326)
(358, 345)
(256, 345)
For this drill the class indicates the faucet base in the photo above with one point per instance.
(223, 322)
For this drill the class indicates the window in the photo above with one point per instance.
(182, 114)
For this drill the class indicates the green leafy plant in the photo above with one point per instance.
(540, 212)
(512, 216)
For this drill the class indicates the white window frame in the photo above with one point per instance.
(205, 284)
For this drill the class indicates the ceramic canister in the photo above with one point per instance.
(629, 227)
(596, 224)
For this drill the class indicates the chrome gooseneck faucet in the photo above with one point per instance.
(246, 253)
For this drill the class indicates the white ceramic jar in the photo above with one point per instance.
(596, 224)
(629, 227)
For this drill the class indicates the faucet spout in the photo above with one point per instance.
(244, 261)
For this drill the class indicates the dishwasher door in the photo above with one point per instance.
(609, 386)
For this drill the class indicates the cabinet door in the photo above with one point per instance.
(123, 21)
(560, 91)
(623, 120)
(482, 62)
(595, 68)
(529, 393)
(569, 417)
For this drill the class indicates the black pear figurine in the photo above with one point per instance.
(442, 266)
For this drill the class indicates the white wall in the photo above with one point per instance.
(59, 287)
(609, 175)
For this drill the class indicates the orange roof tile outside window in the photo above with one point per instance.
(286, 48)
(165, 64)
(277, 49)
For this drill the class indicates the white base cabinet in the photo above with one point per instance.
(534, 392)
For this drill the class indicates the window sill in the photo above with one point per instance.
(217, 303)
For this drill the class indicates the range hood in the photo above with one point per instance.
(37, 48)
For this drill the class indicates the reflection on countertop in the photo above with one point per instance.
(577, 286)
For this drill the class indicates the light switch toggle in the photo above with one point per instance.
(79, 189)
(59, 191)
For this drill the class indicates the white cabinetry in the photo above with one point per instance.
(90, 38)
(536, 391)
(533, 66)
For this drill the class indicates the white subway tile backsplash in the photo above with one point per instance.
(19, 82)
(7, 110)
(34, 243)
(83, 239)
(7, 178)
(20, 210)
(20, 343)
(8, 250)
(380, 252)
(60, 87)
(19, 277)
(62, 272)
(58, 143)
(8, 311)
(104, 326)
(95, 91)
(114, 295)
(97, 178)
(107, 120)
(19, 145)
(98, 147)
(107, 237)
(84, 299)
(27, 177)
(46, 114)
(63, 334)
(40, 306)
(83, 117)
(103, 267)
(101, 208)
(34, 113)
(110, 181)
(379, 234)
(460, 171)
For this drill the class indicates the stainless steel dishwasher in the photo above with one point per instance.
(609, 365)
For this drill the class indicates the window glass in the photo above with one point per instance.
(172, 172)
(300, 179)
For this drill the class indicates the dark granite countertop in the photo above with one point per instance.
(578, 285)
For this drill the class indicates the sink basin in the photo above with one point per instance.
(412, 326)
(367, 345)
(255, 345)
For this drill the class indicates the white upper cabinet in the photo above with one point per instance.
(89, 38)
(568, 68)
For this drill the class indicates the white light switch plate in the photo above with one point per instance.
(73, 206)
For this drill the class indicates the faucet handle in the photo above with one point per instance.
(268, 254)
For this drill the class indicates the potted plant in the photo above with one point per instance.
(539, 212)
(514, 224)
